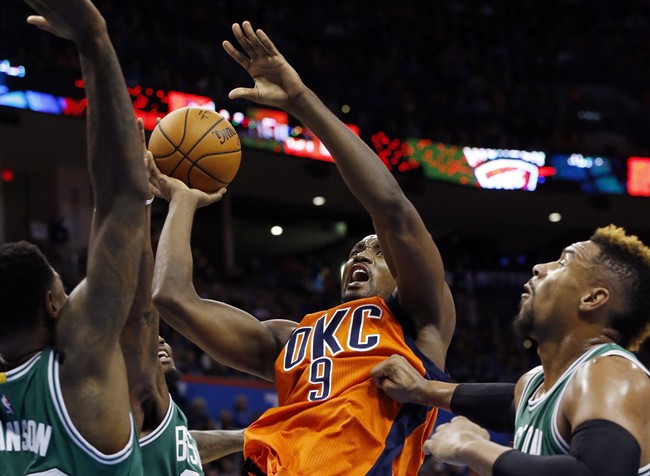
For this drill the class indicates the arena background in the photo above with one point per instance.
(566, 77)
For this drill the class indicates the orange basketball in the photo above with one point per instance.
(197, 146)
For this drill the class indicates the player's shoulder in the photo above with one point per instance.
(603, 382)
(525, 379)
(613, 368)
(607, 378)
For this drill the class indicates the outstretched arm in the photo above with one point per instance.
(410, 252)
(140, 338)
(489, 404)
(89, 326)
(229, 335)
(215, 444)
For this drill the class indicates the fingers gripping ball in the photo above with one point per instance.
(197, 146)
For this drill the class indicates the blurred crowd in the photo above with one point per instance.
(562, 75)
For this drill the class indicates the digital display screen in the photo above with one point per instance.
(593, 174)
(638, 176)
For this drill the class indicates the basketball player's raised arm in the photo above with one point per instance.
(228, 334)
(410, 252)
(140, 341)
(92, 373)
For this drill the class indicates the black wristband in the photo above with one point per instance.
(598, 448)
(491, 405)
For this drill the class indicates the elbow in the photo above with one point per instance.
(168, 304)
(396, 213)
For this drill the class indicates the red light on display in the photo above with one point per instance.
(638, 176)
(74, 107)
(394, 153)
(178, 100)
(8, 175)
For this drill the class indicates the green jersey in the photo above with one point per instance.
(37, 435)
(536, 430)
(170, 450)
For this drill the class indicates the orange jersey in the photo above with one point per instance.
(331, 418)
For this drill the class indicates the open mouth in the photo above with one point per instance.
(358, 276)
(163, 356)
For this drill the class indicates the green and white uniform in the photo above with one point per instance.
(170, 450)
(536, 430)
(37, 436)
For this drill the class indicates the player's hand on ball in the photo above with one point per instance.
(143, 137)
(276, 82)
(76, 20)
(167, 187)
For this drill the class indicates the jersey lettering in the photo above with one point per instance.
(323, 341)
(296, 347)
(25, 435)
(185, 446)
(320, 373)
(49, 472)
(324, 337)
(528, 439)
(355, 337)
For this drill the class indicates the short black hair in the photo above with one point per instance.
(25, 278)
(627, 262)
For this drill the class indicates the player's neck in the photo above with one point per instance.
(11, 361)
(556, 357)
(17, 349)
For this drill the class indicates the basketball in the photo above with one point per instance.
(197, 146)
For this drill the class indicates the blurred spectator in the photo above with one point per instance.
(494, 74)
(242, 416)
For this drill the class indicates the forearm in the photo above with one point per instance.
(139, 337)
(437, 394)
(215, 444)
(114, 150)
(598, 448)
(491, 405)
(173, 270)
(142, 301)
(362, 170)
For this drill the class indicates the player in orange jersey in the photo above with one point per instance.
(331, 418)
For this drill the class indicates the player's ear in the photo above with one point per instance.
(51, 307)
(594, 299)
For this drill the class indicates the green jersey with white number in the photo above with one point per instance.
(37, 436)
(170, 450)
(536, 430)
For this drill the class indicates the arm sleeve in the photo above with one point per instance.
(491, 405)
(598, 448)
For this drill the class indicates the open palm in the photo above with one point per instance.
(276, 82)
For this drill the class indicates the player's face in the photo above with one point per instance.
(366, 273)
(552, 296)
(165, 355)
